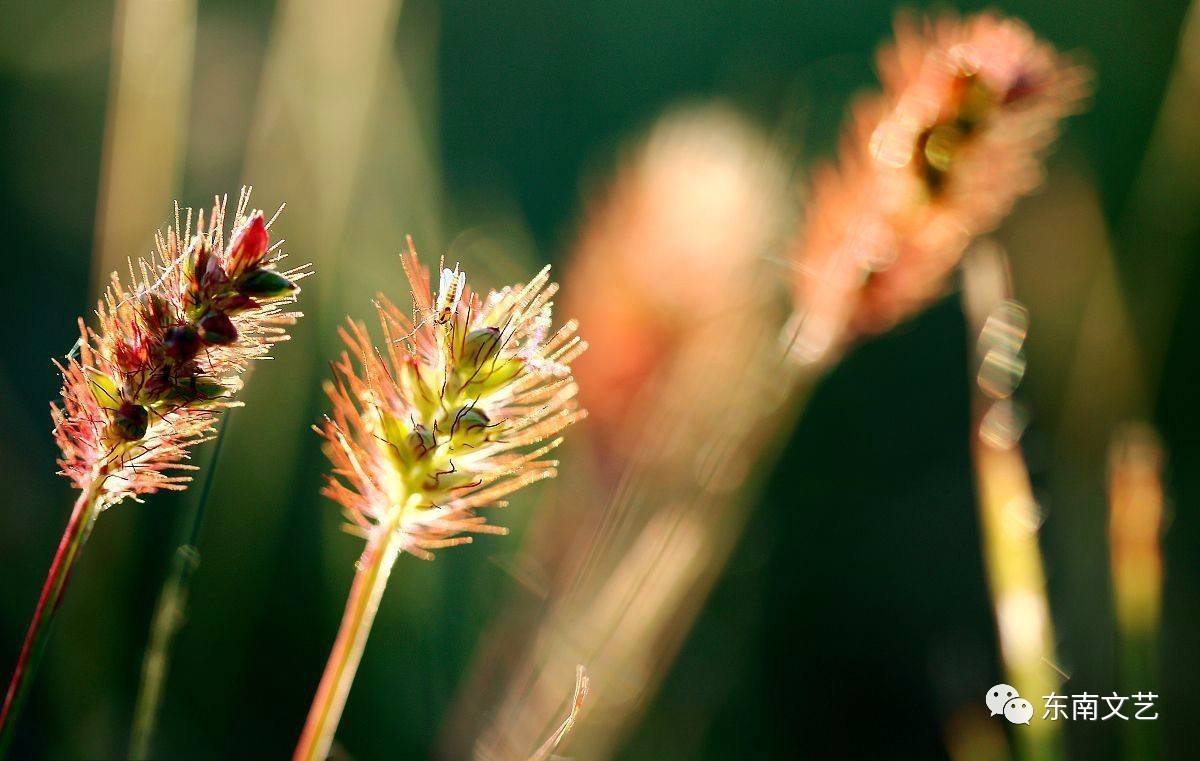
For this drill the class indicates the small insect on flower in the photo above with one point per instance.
(169, 351)
(450, 289)
(457, 410)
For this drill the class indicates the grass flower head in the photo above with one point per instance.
(457, 411)
(959, 133)
(168, 353)
(146, 384)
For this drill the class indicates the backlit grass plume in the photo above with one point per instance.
(147, 383)
(671, 273)
(457, 410)
(958, 134)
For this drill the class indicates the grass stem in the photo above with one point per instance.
(168, 617)
(79, 527)
(1009, 516)
(369, 582)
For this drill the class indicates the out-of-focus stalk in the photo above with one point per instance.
(165, 624)
(689, 393)
(1135, 525)
(1159, 230)
(169, 616)
(1009, 515)
(79, 528)
(153, 44)
(1135, 496)
(645, 571)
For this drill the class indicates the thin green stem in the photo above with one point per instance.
(167, 620)
(79, 527)
(1138, 654)
(1008, 514)
(168, 616)
(361, 607)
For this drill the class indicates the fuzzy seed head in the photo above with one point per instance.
(959, 133)
(167, 354)
(453, 412)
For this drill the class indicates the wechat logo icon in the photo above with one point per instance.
(1003, 699)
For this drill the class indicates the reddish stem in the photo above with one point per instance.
(78, 528)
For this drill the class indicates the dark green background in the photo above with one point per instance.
(853, 619)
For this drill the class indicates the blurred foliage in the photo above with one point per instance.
(853, 620)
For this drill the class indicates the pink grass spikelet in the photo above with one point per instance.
(169, 352)
(968, 111)
(145, 384)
